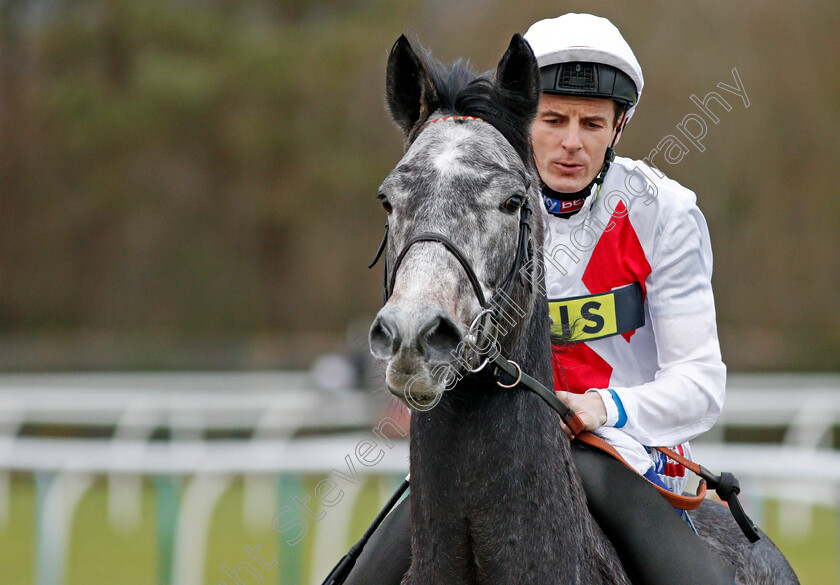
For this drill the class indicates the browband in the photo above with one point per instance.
(452, 119)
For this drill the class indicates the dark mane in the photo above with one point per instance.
(461, 91)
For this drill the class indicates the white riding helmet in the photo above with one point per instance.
(582, 54)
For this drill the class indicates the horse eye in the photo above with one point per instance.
(513, 203)
(386, 205)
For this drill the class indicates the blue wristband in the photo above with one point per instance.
(622, 414)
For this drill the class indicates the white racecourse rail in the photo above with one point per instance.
(274, 408)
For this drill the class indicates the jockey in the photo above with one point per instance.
(628, 262)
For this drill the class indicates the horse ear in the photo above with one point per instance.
(408, 90)
(519, 77)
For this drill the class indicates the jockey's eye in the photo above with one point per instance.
(513, 203)
(386, 205)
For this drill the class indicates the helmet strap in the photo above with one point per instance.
(609, 155)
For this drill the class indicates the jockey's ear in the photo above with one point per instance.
(518, 76)
(409, 93)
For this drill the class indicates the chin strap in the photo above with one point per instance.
(609, 156)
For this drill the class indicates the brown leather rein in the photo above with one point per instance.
(725, 485)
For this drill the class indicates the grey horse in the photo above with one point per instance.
(495, 494)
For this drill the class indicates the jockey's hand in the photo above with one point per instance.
(589, 407)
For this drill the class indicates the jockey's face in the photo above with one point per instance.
(571, 136)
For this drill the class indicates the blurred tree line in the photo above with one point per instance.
(191, 183)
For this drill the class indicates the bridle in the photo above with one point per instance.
(482, 334)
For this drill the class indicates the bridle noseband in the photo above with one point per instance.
(453, 249)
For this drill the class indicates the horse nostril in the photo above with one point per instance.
(438, 339)
(385, 338)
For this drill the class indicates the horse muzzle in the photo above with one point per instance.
(415, 344)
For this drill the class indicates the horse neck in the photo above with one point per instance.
(490, 455)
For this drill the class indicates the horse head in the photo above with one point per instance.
(456, 203)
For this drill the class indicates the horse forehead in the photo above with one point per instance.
(462, 148)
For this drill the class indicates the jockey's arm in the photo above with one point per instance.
(686, 395)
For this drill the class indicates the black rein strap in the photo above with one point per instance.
(509, 375)
(727, 488)
(348, 561)
(515, 377)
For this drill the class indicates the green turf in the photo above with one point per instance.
(813, 557)
(17, 536)
(100, 555)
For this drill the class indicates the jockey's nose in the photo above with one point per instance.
(571, 138)
(436, 337)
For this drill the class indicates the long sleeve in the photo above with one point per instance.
(686, 395)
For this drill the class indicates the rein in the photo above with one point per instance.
(726, 485)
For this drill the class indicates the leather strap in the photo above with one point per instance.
(453, 249)
(726, 485)
(509, 375)
(676, 500)
(339, 573)
(507, 371)
(505, 367)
